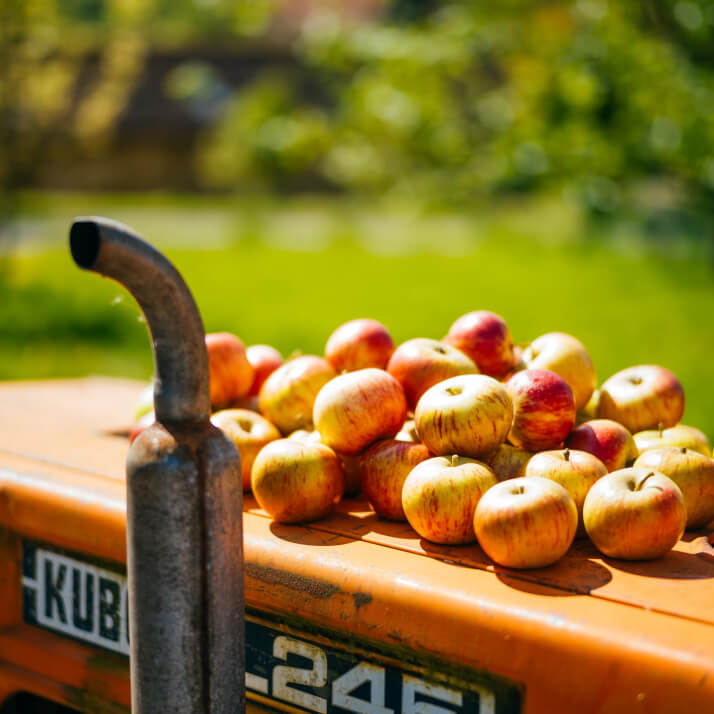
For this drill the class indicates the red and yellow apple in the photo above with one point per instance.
(421, 363)
(576, 471)
(679, 435)
(566, 356)
(543, 409)
(643, 397)
(485, 338)
(288, 394)
(249, 431)
(606, 439)
(692, 472)
(469, 415)
(359, 344)
(357, 408)
(440, 496)
(526, 522)
(296, 481)
(265, 360)
(384, 466)
(230, 372)
(634, 514)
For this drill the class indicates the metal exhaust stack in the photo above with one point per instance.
(184, 499)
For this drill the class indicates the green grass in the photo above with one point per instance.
(288, 272)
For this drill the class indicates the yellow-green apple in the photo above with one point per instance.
(692, 472)
(230, 373)
(408, 431)
(356, 408)
(634, 514)
(643, 397)
(359, 344)
(543, 409)
(485, 338)
(305, 436)
(265, 360)
(507, 461)
(421, 363)
(288, 394)
(440, 496)
(608, 440)
(383, 468)
(468, 415)
(575, 470)
(296, 481)
(145, 402)
(526, 522)
(565, 355)
(679, 435)
(249, 431)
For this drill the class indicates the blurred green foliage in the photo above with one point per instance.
(613, 101)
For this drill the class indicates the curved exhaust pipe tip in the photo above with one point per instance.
(111, 249)
(84, 242)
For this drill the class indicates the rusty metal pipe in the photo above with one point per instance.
(184, 500)
(181, 376)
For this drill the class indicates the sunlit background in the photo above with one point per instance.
(306, 162)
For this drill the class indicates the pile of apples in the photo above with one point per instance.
(470, 438)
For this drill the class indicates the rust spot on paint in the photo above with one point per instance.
(300, 583)
(361, 599)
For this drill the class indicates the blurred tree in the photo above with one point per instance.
(43, 47)
(456, 100)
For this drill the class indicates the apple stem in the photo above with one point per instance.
(683, 450)
(639, 486)
(566, 454)
(454, 460)
(660, 428)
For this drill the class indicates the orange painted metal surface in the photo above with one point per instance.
(589, 634)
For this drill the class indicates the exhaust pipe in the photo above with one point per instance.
(184, 499)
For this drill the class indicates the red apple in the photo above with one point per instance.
(421, 363)
(486, 339)
(643, 397)
(249, 431)
(565, 355)
(357, 408)
(576, 471)
(543, 409)
(606, 439)
(383, 468)
(692, 472)
(468, 415)
(526, 522)
(679, 435)
(230, 372)
(288, 394)
(507, 461)
(296, 481)
(265, 360)
(359, 344)
(440, 496)
(634, 514)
